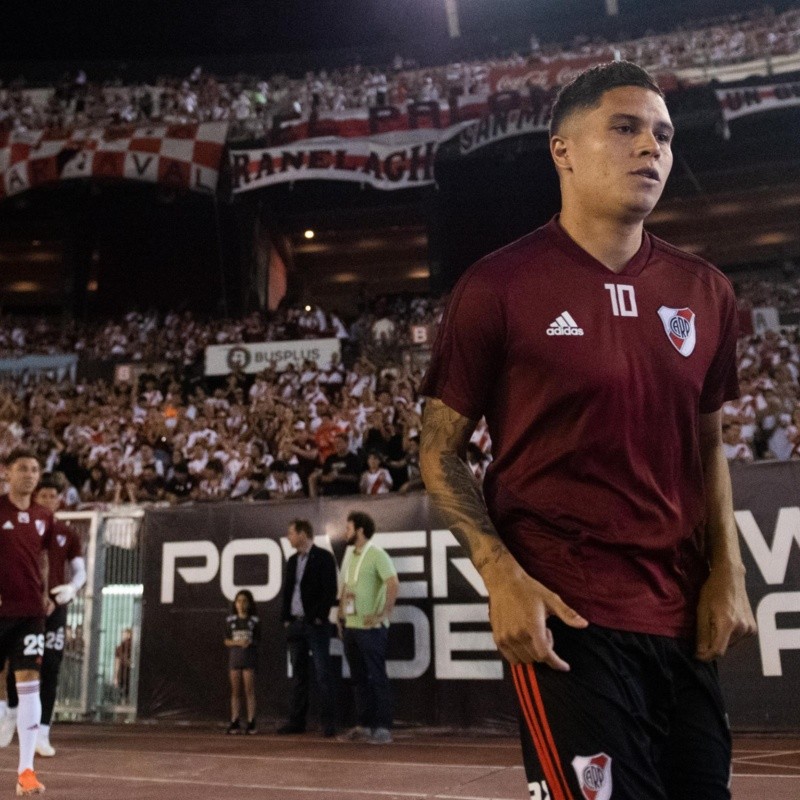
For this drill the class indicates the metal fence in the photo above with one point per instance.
(99, 673)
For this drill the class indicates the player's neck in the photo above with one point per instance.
(21, 501)
(612, 242)
(360, 542)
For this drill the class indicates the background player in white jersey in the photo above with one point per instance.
(26, 533)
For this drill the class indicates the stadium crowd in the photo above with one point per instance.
(250, 102)
(352, 426)
(177, 435)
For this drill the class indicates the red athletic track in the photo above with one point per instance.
(149, 762)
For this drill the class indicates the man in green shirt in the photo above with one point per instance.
(368, 597)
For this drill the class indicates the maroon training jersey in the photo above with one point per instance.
(23, 535)
(65, 546)
(592, 384)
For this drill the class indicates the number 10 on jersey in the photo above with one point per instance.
(623, 299)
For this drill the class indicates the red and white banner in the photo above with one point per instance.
(385, 147)
(549, 74)
(745, 100)
(184, 156)
(555, 73)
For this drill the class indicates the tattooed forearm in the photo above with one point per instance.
(445, 434)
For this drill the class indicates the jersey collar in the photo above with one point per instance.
(567, 245)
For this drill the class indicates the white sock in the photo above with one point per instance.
(3, 708)
(44, 733)
(29, 712)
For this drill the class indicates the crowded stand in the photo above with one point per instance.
(175, 435)
(249, 103)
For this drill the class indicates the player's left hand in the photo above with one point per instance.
(63, 594)
(724, 615)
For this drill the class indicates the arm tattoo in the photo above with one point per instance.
(449, 481)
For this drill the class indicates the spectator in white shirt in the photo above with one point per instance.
(282, 484)
(376, 478)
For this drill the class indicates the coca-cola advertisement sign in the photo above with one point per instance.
(541, 73)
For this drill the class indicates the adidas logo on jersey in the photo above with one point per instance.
(564, 325)
(8, 526)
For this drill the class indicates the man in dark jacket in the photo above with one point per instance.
(309, 592)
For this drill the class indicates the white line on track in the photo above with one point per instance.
(328, 791)
(292, 759)
(316, 740)
(766, 754)
(777, 766)
(780, 776)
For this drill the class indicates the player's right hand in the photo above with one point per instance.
(518, 610)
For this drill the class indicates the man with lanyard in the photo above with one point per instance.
(65, 549)
(26, 534)
(309, 593)
(368, 597)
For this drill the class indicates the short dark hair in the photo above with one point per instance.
(303, 526)
(587, 90)
(363, 521)
(49, 481)
(18, 453)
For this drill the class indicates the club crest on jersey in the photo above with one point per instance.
(594, 775)
(62, 540)
(40, 526)
(680, 329)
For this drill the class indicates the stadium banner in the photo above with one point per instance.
(744, 100)
(387, 147)
(182, 156)
(552, 74)
(442, 659)
(760, 675)
(445, 670)
(253, 357)
(370, 161)
(549, 74)
(59, 366)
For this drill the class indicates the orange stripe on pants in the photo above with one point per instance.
(526, 704)
(546, 727)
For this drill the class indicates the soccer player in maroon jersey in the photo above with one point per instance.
(65, 550)
(601, 358)
(26, 533)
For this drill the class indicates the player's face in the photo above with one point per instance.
(23, 475)
(350, 532)
(49, 498)
(617, 156)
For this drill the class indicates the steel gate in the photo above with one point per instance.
(100, 671)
